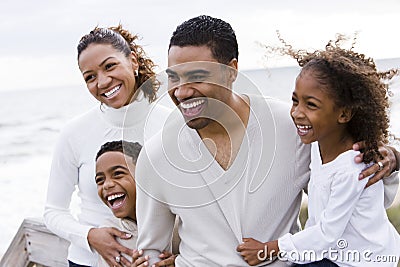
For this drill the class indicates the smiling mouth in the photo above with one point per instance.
(192, 108)
(112, 92)
(303, 129)
(116, 200)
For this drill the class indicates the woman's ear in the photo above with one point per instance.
(135, 63)
(345, 115)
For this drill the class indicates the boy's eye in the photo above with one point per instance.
(118, 174)
(99, 180)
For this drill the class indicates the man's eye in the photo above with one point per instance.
(173, 78)
(197, 78)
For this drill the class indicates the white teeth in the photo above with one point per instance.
(112, 91)
(303, 127)
(112, 197)
(192, 104)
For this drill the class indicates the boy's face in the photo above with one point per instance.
(116, 184)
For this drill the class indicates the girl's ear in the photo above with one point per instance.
(345, 115)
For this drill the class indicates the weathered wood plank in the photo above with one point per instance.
(35, 245)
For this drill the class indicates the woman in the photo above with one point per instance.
(120, 76)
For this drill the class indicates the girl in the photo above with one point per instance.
(120, 76)
(339, 98)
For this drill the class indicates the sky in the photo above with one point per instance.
(39, 38)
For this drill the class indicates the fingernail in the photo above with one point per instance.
(360, 177)
(141, 252)
(128, 235)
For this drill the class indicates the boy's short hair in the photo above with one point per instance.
(131, 149)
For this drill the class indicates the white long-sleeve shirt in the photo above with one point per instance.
(73, 166)
(258, 196)
(347, 222)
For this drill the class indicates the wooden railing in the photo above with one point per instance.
(34, 245)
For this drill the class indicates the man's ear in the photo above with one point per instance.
(233, 70)
(345, 115)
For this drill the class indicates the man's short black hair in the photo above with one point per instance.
(215, 33)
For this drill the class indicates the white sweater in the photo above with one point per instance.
(259, 196)
(73, 166)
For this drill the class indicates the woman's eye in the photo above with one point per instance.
(88, 78)
(109, 66)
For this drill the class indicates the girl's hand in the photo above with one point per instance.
(252, 251)
(104, 242)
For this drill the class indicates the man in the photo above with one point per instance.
(234, 168)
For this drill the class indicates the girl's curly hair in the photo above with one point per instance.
(122, 40)
(354, 82)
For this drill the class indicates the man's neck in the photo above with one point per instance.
(224, 137)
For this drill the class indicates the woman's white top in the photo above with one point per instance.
(347, 222)
(73, 167)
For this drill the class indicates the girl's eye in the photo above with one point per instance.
(311, 104)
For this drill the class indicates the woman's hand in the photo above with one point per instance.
(389, 163)
(104, 242)
(166, 259)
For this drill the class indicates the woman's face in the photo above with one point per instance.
(109, 74)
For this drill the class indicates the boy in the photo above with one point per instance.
(116, 187)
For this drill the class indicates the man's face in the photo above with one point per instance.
(198, 84)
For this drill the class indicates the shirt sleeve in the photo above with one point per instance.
(391, 186)
(154, 219)
(63, 178)
(346, 190)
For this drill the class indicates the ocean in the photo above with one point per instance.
(31, 121)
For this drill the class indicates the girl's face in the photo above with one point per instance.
(314, 112)
(115, 183)
(109, 74)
